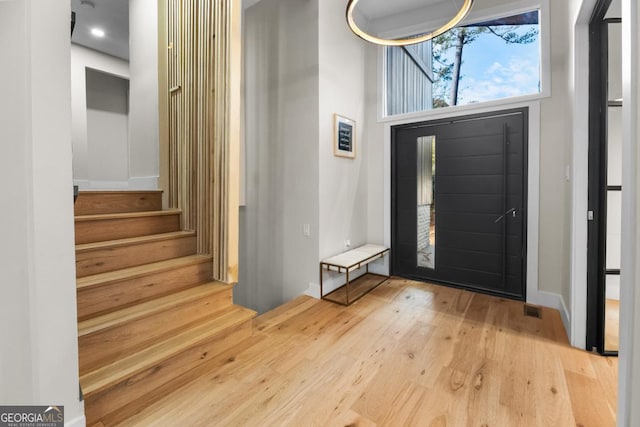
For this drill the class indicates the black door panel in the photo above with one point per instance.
(479, 199)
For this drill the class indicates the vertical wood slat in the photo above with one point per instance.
(220, 206)
(199, 63)
(218, 92)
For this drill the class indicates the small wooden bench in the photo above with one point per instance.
(348, 262)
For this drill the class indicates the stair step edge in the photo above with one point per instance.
(102, 378)
(134, 240)
(110, 277)
(148, 308)
(126, 215)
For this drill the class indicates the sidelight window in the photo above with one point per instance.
(426, 174)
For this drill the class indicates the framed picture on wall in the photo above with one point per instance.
(344, 136)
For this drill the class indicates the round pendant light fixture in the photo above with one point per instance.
(455, 20)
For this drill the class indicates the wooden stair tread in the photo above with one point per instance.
(138, 311)
(99, 217)
(133, 240)
(138, 271)
(100, 379)
(150, 316)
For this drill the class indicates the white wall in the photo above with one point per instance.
(142, 72)
(629, 364)
(38, 327)
(343, 181)
(302, 65)
(556, 129)
(107, 127)
(82, 58)
(378, 175)
(277, 262)
(144, 154)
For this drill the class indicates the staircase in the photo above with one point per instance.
(150, 318)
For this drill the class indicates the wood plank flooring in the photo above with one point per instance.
(406, 354)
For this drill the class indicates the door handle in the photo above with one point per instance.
(511, 211)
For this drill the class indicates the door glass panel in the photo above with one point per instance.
(614, 186)
(614, 144)
(612, 284)
(612, 312)
(614, 229)
(614, 61)
(426, 172)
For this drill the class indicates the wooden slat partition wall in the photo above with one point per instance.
(199, 34)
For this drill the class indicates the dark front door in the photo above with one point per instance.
(459, 202)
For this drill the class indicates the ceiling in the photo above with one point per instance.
(375, 9)
(407, 18)
(383, 16)
(404, 18)
(112, 16)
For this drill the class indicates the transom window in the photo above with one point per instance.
(484, 61)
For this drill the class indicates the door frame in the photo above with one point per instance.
(525, 198)
(597, 181)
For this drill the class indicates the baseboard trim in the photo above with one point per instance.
(313, 290)
(555, 301)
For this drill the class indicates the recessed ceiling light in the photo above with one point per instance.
(97, 32)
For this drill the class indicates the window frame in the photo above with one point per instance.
(503, 10)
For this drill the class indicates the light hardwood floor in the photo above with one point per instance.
(408, 353)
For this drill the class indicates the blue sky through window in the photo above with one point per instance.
(500, 59)
(494, 69)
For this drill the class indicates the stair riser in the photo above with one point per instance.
(92, 203)
(104, 347)
(122, 228)
(108, 259)
(103, 299)
(126, 398)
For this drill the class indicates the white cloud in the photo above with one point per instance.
(495, 67)
(521, 76)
